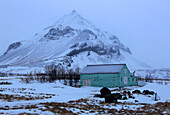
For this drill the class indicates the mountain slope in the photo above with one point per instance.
(71, 41)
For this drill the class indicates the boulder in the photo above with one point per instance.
(110, 98)
(117, 95)
(151, 93)
(129, 93)
(136, 91)
(147, 92)
(98, 95)
(105, 91)
(5, 83)
(130, 96)
(136, 101)
(124, 98)
(124, 93)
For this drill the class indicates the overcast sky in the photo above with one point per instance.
(142, 25)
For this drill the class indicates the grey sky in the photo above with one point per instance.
(142, 25)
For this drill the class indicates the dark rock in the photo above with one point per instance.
(136, 101)
(113, 38)
(130, 96)
(105, 91)
(83, 45)
(151, 92)
(128, 50)
(3, 74)
(124, 93)
(147, 92)
(124, 98)
(125, 48)
(97, 49)
(136, 91)
(68, 29)
(56, 33)
(117, 95)
(85, 34)
(75, 45)
(110, 98)
(88, 31)
(128, 93)
(13, 46)
(88, 54)
(5, 83)
(98, 95)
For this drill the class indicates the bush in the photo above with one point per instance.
(30, 79)
(53, 73)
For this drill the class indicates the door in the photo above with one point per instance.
(86, 82)
(125, 80)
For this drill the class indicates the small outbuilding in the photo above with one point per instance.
(107, 75)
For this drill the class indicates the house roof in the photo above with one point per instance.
(102, 69)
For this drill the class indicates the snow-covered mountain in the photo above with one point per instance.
(71, 41)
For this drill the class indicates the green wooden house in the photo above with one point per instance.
(107, 75)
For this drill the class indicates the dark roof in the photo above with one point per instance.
(102, 69)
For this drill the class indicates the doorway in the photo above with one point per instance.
(86, 82)
(125, 80)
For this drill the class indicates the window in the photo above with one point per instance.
(128, 79)
(121, 79)
(125, 70)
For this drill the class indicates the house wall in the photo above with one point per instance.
(102, 80)
(110, 80)
(131, 81)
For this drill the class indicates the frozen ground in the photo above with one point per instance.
(52, 98)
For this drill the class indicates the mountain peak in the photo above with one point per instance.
(74, 20)
(74, 12)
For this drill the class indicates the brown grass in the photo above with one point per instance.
(16, 97)
(90, 106)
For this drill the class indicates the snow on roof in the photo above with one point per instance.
(103, 68)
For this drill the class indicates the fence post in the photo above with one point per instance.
(156, 97)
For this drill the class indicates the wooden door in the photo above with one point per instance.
(125, 80)
(86, 82)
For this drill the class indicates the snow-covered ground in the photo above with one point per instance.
(21, 70)
(51, 98)
(154, 73)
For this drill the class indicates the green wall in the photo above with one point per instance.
(110, 80)
(102, 80)
(131, 81)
